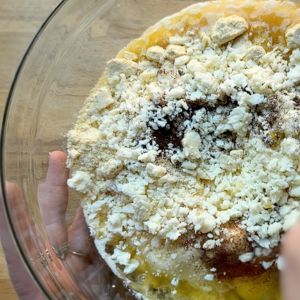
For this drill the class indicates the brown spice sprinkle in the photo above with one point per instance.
(170, 134)
(297, 102)
(265, 121)
(225, 258)
(173, 131)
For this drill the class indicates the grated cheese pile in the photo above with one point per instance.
(189, 138)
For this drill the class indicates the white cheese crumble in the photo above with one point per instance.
(189, 137)
(191, 144)
(267, 264)
(246, 257)
(104, 98)
(155, 171)
(124, 259)
(79, 181)
(209, 277)
(175, 281)
(156, 53)
(280, 263)
(228, 28)
(293, 36)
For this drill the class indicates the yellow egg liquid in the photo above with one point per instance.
(262, 287)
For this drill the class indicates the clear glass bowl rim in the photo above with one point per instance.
(8, 218)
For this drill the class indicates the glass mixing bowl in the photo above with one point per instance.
(61, 66)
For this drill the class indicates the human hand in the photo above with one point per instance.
(72, 245)
(290, 275)
(20, 277)
(78, 261)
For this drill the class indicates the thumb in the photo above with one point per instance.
(290, 276)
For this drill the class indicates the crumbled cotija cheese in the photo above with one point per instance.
(209, 277)
(190, 137)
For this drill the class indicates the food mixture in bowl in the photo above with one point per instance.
(187, 152)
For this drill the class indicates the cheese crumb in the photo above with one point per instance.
(118, 66)
(148, 156)
(191, 144)
(209, 277)
(294, 191)
(124, 259)
(156, 171)
(267, 264)
(228, 28)
(255, 53)
(104, 98)
(280, 263)
(239, 120)
(156, 53)
(246, 257)
(79, 181)
(175, 93)
(181, 60)
(110, 169)
(293, 36)
(175, 281)
(174, 51)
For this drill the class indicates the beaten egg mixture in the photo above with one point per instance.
(187, 152)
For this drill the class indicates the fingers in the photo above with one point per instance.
(53, 199)
(290, 277)
(57, 174)
(94, 273)
(80, 242)
(79, 239)
(14, 199)
(20, 277)
(14, 195)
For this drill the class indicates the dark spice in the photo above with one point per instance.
(296, 101)
(265, 121)
(172, 132)
(225, 258)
